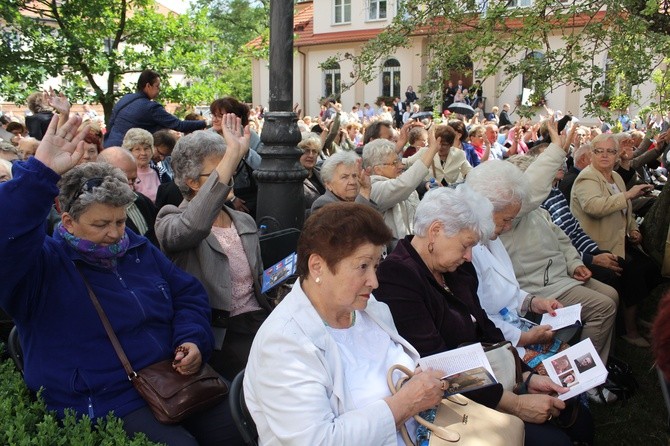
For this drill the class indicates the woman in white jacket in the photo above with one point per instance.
(317, 369)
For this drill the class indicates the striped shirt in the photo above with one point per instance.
(558, 208)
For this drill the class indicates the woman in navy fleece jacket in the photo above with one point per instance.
(154, 308)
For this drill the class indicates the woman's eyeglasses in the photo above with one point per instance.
(601, 152)
(87, 186)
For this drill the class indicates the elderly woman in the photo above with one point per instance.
(602, 205)
(430, 287)
(481, 144)
(344, 180)
(153, 306)
(312, 185)
(449, 164)
(215, 243)
(92, 146)
(317, 369)
(394, 190)
(140, 143)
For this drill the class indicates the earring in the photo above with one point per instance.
(430, 247)
(318, 280)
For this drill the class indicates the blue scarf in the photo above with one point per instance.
(104, 256)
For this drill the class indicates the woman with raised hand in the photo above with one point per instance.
(157, 311)
(215, 243)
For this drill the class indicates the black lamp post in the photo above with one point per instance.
(281, 200)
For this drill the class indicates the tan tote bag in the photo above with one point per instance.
(463, 422)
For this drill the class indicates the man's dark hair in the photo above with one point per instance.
(373, 130)
(231, 105)
(4, 120)
(146, 77)
(165, 138)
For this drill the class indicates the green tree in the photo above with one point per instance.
(92, 44)
(573, 37)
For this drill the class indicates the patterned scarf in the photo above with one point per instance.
(104, 256)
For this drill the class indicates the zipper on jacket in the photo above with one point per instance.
(123, 283)
(91, 412)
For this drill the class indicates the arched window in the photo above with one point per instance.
(529, 84)
(391, 78)
(332, 80)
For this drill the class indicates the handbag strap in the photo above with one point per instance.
(440, 431)
(108, 328)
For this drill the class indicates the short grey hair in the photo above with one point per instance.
(376, 151)
(136, 137)
(604, 137)
(499, 181)
(189, 154)
(328, 169)
(584, 149)
(310, 140)
(456, 209)
(35, 103)
(75, 196)
(522, 160)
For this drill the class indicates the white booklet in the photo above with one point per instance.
(578, 368)
(564, 317)
(465, 368)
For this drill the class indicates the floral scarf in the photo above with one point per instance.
(104, 256)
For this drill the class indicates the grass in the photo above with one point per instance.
(643, 419)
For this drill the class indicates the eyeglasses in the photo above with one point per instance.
(601, 152)
(87, 186)
(397, 162)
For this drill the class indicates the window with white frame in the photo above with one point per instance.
(519, 3)
(342, 11)
(391, 78)
(377, 9)
(332, 80)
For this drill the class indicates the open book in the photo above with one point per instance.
(579, 368)
(565, 316)
(465, 368)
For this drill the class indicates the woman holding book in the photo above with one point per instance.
(215, 243)
(317, 369)
(431, 289)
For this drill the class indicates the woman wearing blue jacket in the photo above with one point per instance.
(157, 311)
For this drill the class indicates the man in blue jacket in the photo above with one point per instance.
(139, 110)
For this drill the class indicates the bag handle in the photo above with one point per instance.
(108, 328)
(442, 432)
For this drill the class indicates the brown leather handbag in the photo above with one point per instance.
(172, 397)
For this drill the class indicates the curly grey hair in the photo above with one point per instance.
(76, 195)
(456, 209)
(188, 155)
(136, 137)
(329, 166)
(376, 151)
(499, 181)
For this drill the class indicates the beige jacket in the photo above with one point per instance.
(605, 216)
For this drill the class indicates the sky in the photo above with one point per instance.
(179, 6)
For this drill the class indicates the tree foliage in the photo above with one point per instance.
(92, 44)
(574, 36)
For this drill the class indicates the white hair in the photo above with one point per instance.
(330, 164)
(376, 151)
(499, 181)
(456, 209)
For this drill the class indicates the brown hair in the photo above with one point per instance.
(231, 105)
(447, 133)
(336, 230)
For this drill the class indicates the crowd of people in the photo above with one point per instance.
(420, 235)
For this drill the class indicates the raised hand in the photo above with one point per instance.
(237, 138)
(61, 149)
(57, 101)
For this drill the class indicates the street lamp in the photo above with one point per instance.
(281, 200)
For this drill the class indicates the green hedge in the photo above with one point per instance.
(24, 420)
